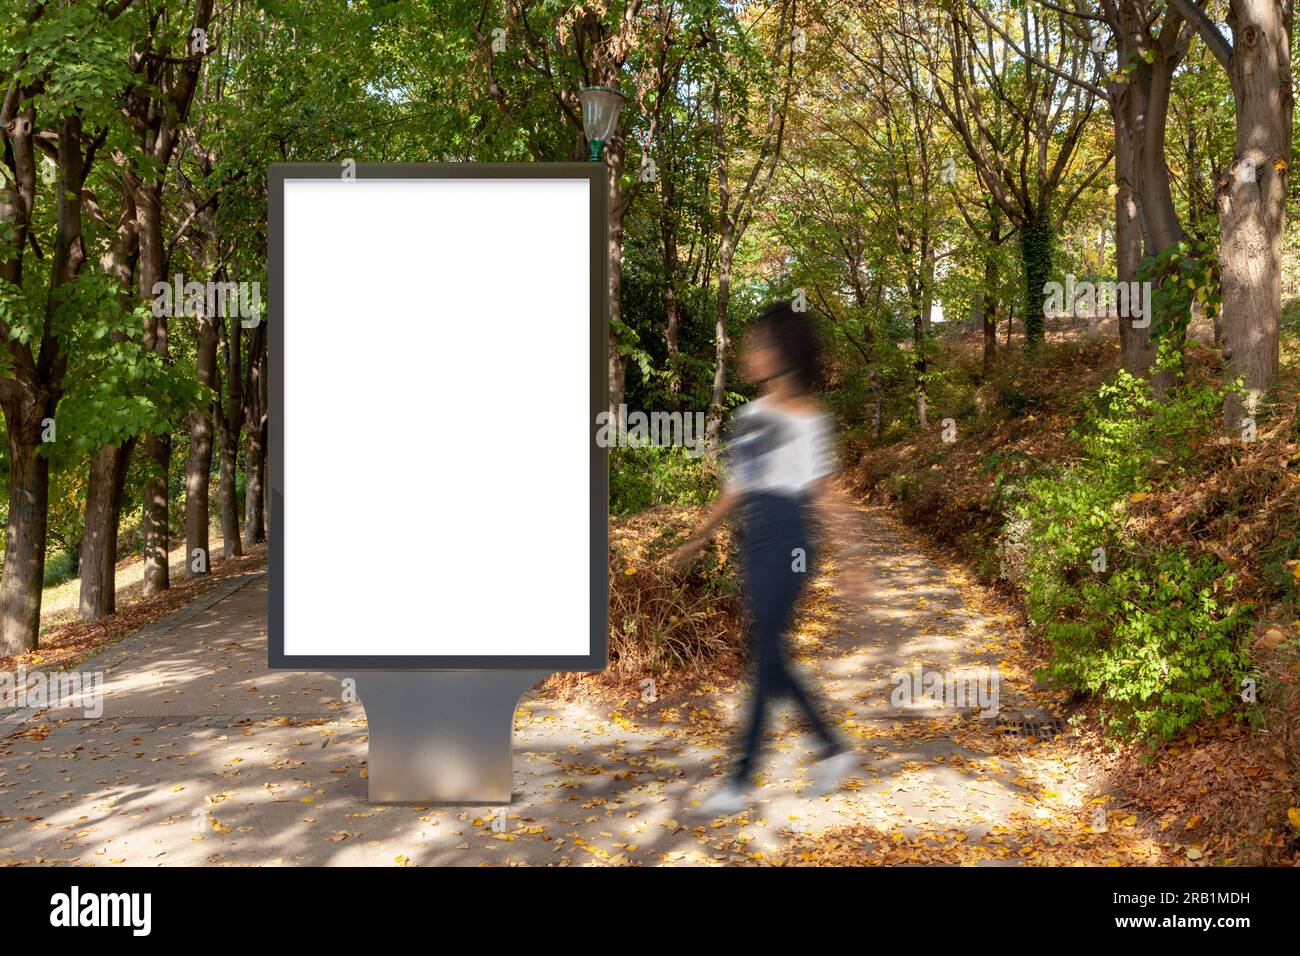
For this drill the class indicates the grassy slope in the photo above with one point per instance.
(65, 641)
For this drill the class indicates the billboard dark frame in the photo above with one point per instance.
(597, 657)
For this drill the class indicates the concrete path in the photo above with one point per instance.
(204, 757)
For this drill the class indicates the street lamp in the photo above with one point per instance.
(600, 108)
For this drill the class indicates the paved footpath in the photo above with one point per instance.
(203, 756)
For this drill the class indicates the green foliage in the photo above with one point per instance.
(1154, 632)
(59, 567)
(1276, 557)
(121, 389)
(1185, 273)
(1013, 398)
(1037, 242)
(641, 478)
(1160, 643)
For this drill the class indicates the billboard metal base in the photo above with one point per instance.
(441, 736)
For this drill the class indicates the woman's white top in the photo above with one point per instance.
(771, 449)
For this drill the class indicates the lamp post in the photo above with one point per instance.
(600, 109)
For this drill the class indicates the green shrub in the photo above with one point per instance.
(1275, 556)
(649, 476)
(1150, 630)
(60, 566)
(1011, 397)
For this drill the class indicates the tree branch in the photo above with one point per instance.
(1219, 45)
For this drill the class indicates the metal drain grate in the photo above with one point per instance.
(1040, 727)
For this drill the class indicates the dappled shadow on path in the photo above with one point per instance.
(203, 756)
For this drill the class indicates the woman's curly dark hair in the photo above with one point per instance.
(794, 335)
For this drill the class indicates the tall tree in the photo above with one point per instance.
(1150, 41)
(1251, 194)
(746, 150)
(620, 45)
(166, 64)
(1032, 167)
(60, 70)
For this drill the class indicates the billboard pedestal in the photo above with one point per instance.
(441, 736)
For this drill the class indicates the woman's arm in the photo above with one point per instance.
(722, 508)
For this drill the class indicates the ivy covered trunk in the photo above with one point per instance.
(922, 296)
(919, 370)
(1036, 256)
(721, 341)
(617, 364)
(672, 301)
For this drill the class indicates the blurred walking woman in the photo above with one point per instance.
(779, 461)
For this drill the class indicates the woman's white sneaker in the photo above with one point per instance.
(832, 771)
(729, 798)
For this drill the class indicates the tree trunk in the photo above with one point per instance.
(927, 277)
(1137, 352)
(1251, 200)
(722, 343)
(255, 450)
(24, 558)
(158, 454)
(99, 544)
(230, 423)
(874, 383)
(918, 364)
(157, 108)
(34, 382)
(231, 546)
(157, 448)
(1163, 225)
(254, 498)
(198, 467)
(672, 303)
(198, 470)
(108, 468)
(988, 299)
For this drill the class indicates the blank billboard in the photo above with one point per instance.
(441, 328)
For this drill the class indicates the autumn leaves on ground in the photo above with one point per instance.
(1224, 790)
(955, 788)
(204, 757)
